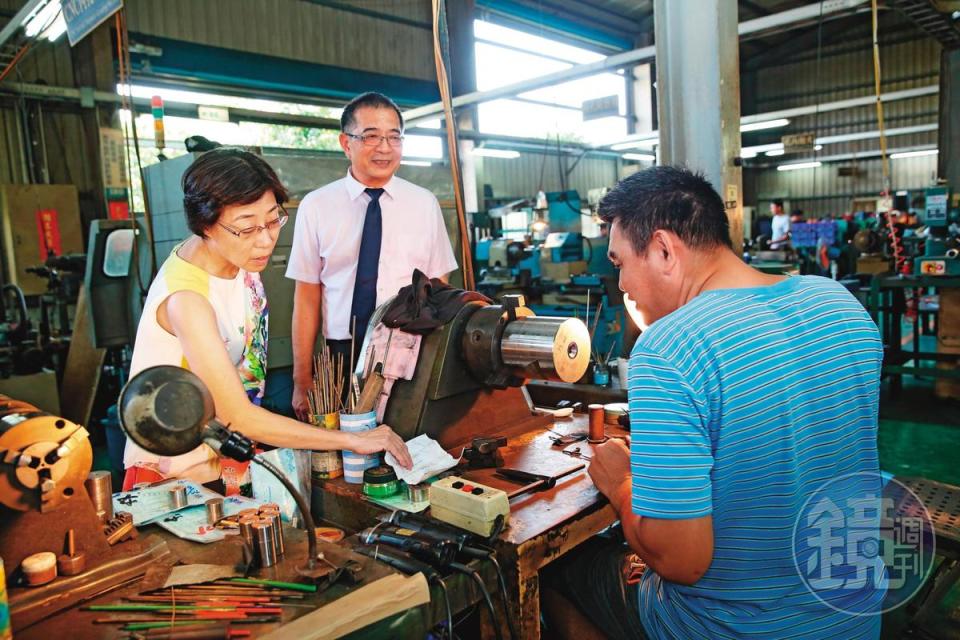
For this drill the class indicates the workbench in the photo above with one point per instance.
(887, 304)
(76, 623)
(543, 525)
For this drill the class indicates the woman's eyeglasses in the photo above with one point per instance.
(271, 226)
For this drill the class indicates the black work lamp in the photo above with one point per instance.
(168, 411)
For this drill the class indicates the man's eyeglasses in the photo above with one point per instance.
(271, 226)
(374, 139)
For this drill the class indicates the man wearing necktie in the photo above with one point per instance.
(358, 240)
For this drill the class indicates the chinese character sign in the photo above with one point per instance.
(48, 233)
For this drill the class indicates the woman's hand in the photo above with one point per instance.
(382, 439)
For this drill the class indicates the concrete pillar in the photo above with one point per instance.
(698, 90)
(948, 162)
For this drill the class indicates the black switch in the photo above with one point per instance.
(457, 484)
(477, 491)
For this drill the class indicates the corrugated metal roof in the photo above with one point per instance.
(295, 29)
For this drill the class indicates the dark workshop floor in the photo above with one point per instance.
(919, 435)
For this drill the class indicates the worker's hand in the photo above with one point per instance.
(300, 406)
(382, 439)
(610, 471)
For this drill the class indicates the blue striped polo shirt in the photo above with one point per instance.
(744, 402)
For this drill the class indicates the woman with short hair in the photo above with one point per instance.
(206, 311)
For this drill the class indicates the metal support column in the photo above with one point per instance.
(948, 163)
(698, 89)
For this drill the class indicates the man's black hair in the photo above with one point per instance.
(222, 177)
(369, 99)
(673, 199)
(778, 203)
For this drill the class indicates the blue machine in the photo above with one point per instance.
(563, 211)
(564, 246)
(937, 259)
(563, 294)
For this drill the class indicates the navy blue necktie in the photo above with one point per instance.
(368, 263)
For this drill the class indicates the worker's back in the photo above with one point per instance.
(744, 404)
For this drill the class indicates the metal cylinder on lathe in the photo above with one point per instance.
(178, 497)
(99, 486)
(266, 545)
(214, 510)
(560, 347)
(277, 525)
(597, 430)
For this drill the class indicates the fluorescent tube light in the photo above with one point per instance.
(767, 124)
(495, 153)
(799, 165)
(914, 154)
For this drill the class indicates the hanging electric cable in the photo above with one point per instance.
(126, 103)
(123, 53)
(818, 88)
(13, 63)
(885, 161)
(443, 82)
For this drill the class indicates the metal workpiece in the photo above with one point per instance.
(71, 562)
(246, 523)
(597, 425)
(418, 493)
(276, 524)
(265, 543)
(120, 528)
(555, 347)
(99, 485)
(214, 510)
(178, 496)
(504, 345)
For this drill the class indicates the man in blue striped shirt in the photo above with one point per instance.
(748, 393)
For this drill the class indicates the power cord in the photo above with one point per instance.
(514, 633)
(462, 568)
(446, 604)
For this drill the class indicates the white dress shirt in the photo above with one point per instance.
(779, 227)
(326, 243)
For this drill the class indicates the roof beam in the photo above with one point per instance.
(765, 24)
